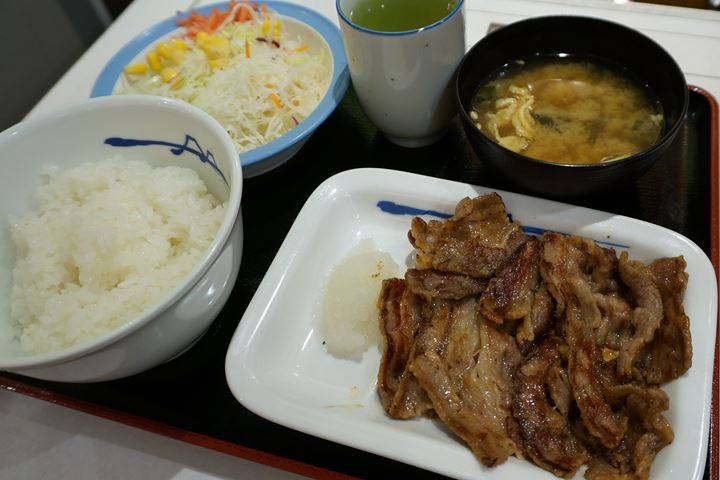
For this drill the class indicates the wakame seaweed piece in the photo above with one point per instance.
(546, 121)
(487, 93)
(595, 128)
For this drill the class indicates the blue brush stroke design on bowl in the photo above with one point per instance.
(393, 208)
(272, 154)
(205, 156)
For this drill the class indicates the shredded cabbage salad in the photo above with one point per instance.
(244, 71)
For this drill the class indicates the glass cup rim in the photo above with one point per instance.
(435, 24)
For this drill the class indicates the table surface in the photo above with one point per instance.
(46, 440)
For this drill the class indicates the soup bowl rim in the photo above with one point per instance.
(663, 138)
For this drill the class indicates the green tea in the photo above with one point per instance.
(399, 15)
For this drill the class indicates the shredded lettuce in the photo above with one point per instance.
(256, 99)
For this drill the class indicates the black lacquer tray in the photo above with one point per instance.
(187, 398)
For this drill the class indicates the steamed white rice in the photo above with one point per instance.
(107, 240)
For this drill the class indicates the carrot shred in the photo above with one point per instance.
(195, 22)
(213, 20)
(276, 100)
(243, 15)
(301, 48)
(189, 20)
(247, 48)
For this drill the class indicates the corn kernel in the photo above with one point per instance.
(154, 61)
(163, 49)
(168, 52)
(168, 73)
(216, 47)
(178, 44)
(136, 68)
(217, 63)
(201, 37)
(217, 40)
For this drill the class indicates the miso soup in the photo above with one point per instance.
(567, 110)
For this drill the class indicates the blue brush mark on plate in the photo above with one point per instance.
(176, 149)
(398, 209)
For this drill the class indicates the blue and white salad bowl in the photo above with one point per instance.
(313, 27)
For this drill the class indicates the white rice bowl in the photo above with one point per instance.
(163, 133)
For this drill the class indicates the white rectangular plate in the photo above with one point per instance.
(277, 365)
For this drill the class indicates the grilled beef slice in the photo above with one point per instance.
(401, 315)
(548, 440)
(466, 367)
(476, 241)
